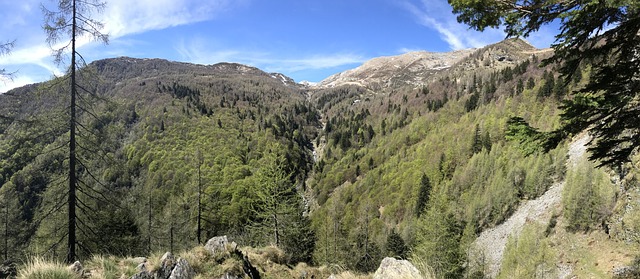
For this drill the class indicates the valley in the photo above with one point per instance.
(420, 156)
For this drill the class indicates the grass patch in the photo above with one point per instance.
(111, 267)
(39, 268)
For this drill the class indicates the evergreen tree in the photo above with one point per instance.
(423, 195)
(606, 105)
(519, 87)
(476, 145)
(530, 83)
(73, 19)
(13, 225)
(396, 246)
(438, 240)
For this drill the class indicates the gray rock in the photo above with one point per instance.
(217, 244)
(167, 263)
(391, 268)
(230, 276)
(624, 272)
(77, 268)
(182, 270)
(142, 275)
(141, 267)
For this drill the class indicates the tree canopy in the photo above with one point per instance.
(602, 35)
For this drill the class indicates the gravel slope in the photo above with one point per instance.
(491, 242)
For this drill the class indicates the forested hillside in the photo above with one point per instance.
(340, 174)
(164, 146)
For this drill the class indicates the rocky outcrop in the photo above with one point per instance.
(391, 268)
(412, 68)
(182, 270)
(217, 244)
(170, 268)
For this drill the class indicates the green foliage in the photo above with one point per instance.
(530, 139)
(529, 255)
(396, 246)
(587, 198)
(605, 104)
(424, 193)
(277, 212)
(438, 236)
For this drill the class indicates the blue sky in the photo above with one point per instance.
(304, 39)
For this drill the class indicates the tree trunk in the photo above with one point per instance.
(199, 205)
(71, 243)
(6, 230)
(275, 230)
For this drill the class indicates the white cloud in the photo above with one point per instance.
(437, 15)
(319, 61)
(124, 17)
(121, 18)
(8, 84)
(407, 50)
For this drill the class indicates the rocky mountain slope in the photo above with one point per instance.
(491, 243)
(413, 68)
(418, 68)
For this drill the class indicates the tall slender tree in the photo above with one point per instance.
(199, 158)
(72, 21)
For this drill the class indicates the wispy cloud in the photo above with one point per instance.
(201, 51)
(407, 50)
(124, 17)
(6, 85)
(437, 15)
(121, 18)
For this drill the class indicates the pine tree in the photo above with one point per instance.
(396, 246)
(476, 145)
(423, 195)
(73, 19)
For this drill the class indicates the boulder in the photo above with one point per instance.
(77, 268)
(167, 263)
(182, 270)
(217, 244)
(391, 268)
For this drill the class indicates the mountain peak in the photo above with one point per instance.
(415, 68)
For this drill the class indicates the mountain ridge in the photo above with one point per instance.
(416, 68)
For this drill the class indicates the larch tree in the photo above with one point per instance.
(68, 24)
(604, 35)
(274, 199)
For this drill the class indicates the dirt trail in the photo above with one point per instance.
(491, 243)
